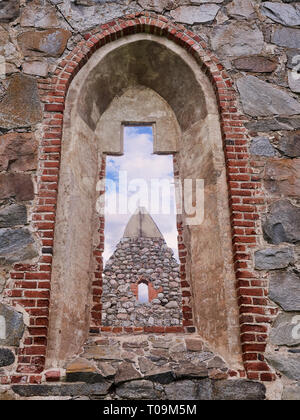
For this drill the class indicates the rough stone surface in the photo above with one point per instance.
(241, 9)
(261, 146)
(282, 177)
(16, 185)
(9, 10)
(193, 14)
(182, 390)
(239, 390)
(285, 290)
(77, 389)
(6, 357)
(288, 366)
(48, 43)
(273, 258)
(289, 144)
(286, 37)
(137, 390)
(237, 39)
(262, 99)
(285, 330)
(282, 224)
(16, 245)
(13, 215)
(39, 14)
(7, 48)
(20, 106)
(256, 64)
(286, 14)
(83, 18)
(274, 124)
(36, 68)
(291, 393)
(294, 81)
(18, 152)
(11, 326)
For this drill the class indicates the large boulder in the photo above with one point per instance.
(11, 326)
(16, 245)
(287, 365)
(256, 64)
(282, 223)
(21, 105)
(273, 258)
(289, 144)
(286, 14)
(39, 14)
(284, 290)
(195, 14)
(48, 43)
(237, 39)
(9, 10)
(6, 357)
(285, 330)
(18, 152)
(17, 185)
(13, 215)
(286, 37)
(260, 99)
(261, 146)
(282, 177)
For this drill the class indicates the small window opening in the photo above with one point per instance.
(143, 292)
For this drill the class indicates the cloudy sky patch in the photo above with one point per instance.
(142, 172)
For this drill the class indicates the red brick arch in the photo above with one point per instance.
(31, 287)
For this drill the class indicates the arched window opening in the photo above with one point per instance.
(143, 292)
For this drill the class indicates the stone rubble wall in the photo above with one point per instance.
(135, 260)
(259, 44)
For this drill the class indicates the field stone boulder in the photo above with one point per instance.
(273, 258)
(47, 43)
(195, 14)
(39, 14)
(9, 10)
(18, 152)
(13, 215)
(241, 9)
(239, 390)
(137, 390)
(284, 290)
(11, 326)
(285, 14)
(260, 99)
(282, 223)
(286, 37)
(289, 144)
(282, 177)
(182, 390)
(256, 64)
(288, 366)
(17, 185)
(237, 39)
(261, 146)
(20, 106)
(6, 357)
(285, 331)
(7, 48)
(16, 245)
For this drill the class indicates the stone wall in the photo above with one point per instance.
(142, 260)
(258, 44)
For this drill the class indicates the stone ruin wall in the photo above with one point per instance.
(258, 43)
(136, 260)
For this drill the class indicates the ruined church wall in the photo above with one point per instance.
(258, 44)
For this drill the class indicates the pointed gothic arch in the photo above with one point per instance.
(206, 110)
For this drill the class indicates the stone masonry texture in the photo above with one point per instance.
(250, 52)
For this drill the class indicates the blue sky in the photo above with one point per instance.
(140, 165)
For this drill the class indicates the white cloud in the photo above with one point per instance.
(139, 162)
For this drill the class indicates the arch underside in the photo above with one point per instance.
(163, 71)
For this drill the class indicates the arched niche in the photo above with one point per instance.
(158, 67)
